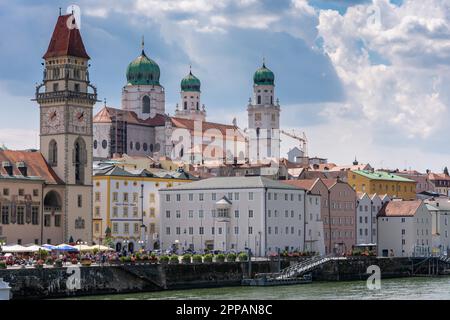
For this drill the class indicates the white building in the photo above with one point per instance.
(234, 213)
(366, 216)
(127, 204)
(440, 213)
(404, 229)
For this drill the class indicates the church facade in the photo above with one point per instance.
(46, 195)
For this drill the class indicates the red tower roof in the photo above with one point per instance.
(66, 41)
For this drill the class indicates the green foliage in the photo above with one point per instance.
(174, 259)
(243, 256)
(196, 258)
(208, 258)
(186, 258)
(220, 257)
(231, 257)
(49, 261)
(164, 259)
(2, 265)
(95, 251)
(42, 253)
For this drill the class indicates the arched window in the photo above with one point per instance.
(197, 106)
(271, 99)
(145, 104)
(53, 153)
(259, 99)
(79, 160)
(185, 105)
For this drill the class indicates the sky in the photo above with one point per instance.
(364, 79)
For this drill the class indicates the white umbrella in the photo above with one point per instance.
(101, 248)
(14, 248)
(36, 248)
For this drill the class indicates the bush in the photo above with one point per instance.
(164, 259)
(153, 258)
(124, 259)
(49, 261)
(196, 258)
(231, 257)
(243, 256)
(2, 265)
(208, 258)
(174, 259)
(220, 257)
(186, 258)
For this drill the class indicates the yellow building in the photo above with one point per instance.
(382, 183)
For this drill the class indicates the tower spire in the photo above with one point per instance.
(264, 62)
(142, 45)
(190, 69)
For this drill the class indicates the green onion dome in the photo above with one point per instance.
(263, 76)
(143, 71)
(190, 83)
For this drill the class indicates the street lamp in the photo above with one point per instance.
(80, 243)
(2, 243)
(125, 247)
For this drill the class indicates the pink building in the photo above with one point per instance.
(338, 211)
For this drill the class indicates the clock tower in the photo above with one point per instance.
(66, 100)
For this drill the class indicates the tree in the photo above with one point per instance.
(446, 171)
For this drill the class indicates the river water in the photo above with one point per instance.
(404, 288)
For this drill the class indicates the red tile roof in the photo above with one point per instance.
(35, 162)
(189, 124)
(400, 208)
(302, 184)
(438, 176)
(108, 115)
(66, 41)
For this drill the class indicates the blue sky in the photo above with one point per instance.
(378, 95)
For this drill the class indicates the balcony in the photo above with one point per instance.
(66, 94)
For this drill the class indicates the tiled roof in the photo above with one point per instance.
(108, 115)
(400, 208)
(66, 41)
(234, 183)
(381, 175)
(206, 126)
(306, 184)
(438, 176)
(37, 167)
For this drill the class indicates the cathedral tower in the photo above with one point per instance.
(66, 100)
(143, 94)
(191, 107)
(263, 117)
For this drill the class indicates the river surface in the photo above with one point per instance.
(404, 288)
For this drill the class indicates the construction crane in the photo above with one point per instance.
(302, 139)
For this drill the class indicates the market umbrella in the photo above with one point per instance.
(14, 248)
(36, 248)
(49, 246)
(65, 247)
(101, 248)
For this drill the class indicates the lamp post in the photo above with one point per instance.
(125, 242)
(2, 243)
(249, 251)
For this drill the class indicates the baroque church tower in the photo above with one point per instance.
(143, 94)
(66, 98)
(263, 117)
(191, 107)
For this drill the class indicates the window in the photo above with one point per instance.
(178, 197)
(115, 196)
(250, 230)
(178, 230)
(126, 228)
(167, 213)
(167, 197)
(97, 211)
(286, 213)
(35, 215)
(191, 197)
(115, 212)
(58, 220)
(125, 211)
(136, 228)
(259, 99)
(191, 230)
(250, 213)
(97, 196)
(152, 197)
(6, 192)
(236, 213)
(236, 196)
(250, 196)
(152, 228)
(115, 228)
(257, 116)
(145, 104)
(230, 195)
(213, 196)
(97, 228)
(191, 213)
(20, 215)
(47, 220)
(125, 197)
(135, 211)
(152, 212)
(200, 214)
(135, 197)
(200, 197)
(178, 214)
(212, 230)
(236, 230)
(201, 230)
(286, 197)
